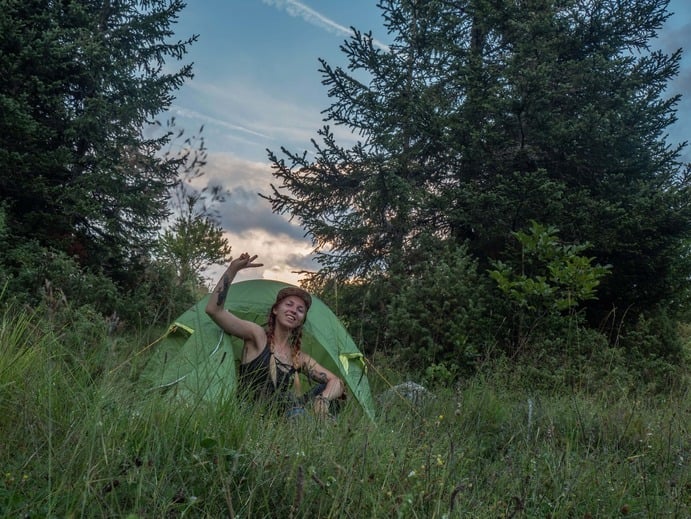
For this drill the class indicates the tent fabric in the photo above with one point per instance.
(198, 360)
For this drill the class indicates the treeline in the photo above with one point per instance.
(512, 195)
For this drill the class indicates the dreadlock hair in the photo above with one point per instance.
(295, 345)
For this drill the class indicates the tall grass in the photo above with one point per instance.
(81, 438)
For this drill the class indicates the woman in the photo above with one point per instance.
(271, 356)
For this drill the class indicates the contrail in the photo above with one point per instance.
(184, 112)
(298, 9)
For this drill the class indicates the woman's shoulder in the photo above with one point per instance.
(260, 359)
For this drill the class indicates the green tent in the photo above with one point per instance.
(196, 359)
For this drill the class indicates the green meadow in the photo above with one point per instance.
(81, 436)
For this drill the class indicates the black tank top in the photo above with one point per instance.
(255, 377)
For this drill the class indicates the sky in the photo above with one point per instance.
(257, 86)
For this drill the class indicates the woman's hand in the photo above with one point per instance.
(321, 406)
(242, 262)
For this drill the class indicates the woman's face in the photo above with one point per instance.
(291, 311)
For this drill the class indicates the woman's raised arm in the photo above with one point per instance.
(215, 308)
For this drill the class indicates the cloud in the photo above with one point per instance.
(249, 223)
(246, 211)
(239, 114)
(245, 119)
(300, 10)
(282, 257)
(240, 175)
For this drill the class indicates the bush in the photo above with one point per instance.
(437, 316)
(39, 277)
(544, 281)
(158, 298)
(34, 274)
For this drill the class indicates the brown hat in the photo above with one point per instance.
(294, 291)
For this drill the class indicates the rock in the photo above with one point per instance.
(410, 391)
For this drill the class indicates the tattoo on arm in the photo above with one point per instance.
(317, 376)
(223, 292)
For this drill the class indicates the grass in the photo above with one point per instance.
(81, 438)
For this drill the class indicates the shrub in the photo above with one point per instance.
(545, 284)
(438, 313)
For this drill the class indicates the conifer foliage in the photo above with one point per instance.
(80, 82)
(485, 115)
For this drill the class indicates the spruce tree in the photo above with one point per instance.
(485, 115)
(81, 81)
